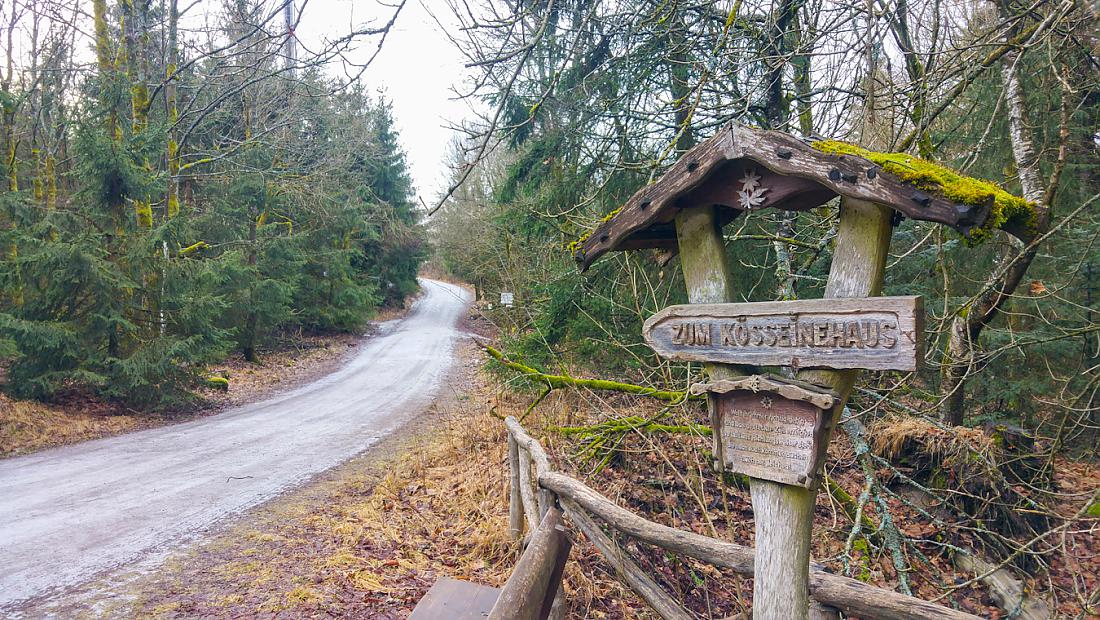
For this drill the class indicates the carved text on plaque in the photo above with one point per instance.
(770, 437)
(878, 333)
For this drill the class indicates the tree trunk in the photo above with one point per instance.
(248, 347)
(1012, 264)
(136, 34)
(172, 199)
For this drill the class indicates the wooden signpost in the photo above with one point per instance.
(774, 430)
(876, 333)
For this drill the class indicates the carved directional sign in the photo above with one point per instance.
(877, 333)
(772, 429)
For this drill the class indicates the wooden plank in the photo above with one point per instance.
(877, 333)
(787, 388)
(451, 599)
(772, 428)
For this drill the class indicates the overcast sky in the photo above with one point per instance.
(417, 67)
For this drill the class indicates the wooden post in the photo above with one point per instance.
(527, 491)
(708, 281)
(530, 590)
(859, 264)
(784, 514)
(515, 501)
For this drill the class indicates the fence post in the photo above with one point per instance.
(530, 590)
(515, 501)
(527, 491)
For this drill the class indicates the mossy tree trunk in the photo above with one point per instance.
(8, 142)
(136, 22)
(172, 197)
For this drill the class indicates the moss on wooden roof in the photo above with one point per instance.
(573, 245)
(949, 183)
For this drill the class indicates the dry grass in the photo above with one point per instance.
(27, 426)
(894, 436)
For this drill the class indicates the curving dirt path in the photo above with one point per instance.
(70, 513)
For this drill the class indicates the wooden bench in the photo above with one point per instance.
(528, 595)
(456, 600)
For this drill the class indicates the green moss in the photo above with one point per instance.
(193, 248)
(948, 183)
(737, 481)
(573, 246)
(864, 549)
(143, 213)
(633, 423)
(218, 383)
(1093, 510)
(938, 480)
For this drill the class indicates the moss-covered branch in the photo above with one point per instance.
(633, 423)
(561, 381)
(599, 443)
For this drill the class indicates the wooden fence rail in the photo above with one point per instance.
(582, 505)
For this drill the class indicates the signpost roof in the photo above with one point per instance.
(742, 168)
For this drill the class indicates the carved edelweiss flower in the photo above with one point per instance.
(766, 402)
(754, 383)
(752, 193)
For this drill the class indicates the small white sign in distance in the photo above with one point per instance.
(873, 333)
(507, 299)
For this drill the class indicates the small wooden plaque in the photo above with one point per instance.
(876, 333)
(768, 436)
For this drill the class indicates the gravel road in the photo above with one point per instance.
(70, 513)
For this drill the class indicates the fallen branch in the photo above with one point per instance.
(633, 423)
(599, 442)
(891, 537)
(562, 381)
(844, 593)
(1009, 592)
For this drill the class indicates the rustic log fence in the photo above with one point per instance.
(537, 490)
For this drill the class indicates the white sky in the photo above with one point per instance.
(417, 68)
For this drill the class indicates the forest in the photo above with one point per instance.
(183, 186)
(591, 101)
(174, 195)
